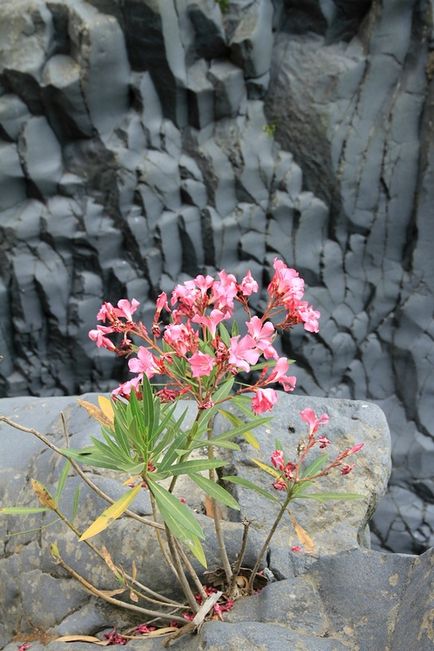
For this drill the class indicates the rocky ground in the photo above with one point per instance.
(341, 595)
(144, 141)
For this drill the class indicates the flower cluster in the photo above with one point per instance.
(288, 473)
(196, 336)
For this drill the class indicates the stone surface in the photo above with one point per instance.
(313, 604)
(309, 129)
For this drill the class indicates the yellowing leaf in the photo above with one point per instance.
(263, 466)
(82, 638)
(251, 440)
(303, 536)
(43, 495)
(107, 408)
(108, 559)
(112, 513)
(95, 412)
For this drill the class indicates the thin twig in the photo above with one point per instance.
(156, 597)
(242, 552)
(217, 520)
(180, 572)
(268, 539)
(116, 602)
(160, 538)
(79, 471)
(191, 570)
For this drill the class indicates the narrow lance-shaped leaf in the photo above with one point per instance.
(95, 412)
(62, 480)
(197, 465)
(112, 513)
(22, 510)
(215, 491)
(170, 505)
(245, 483)
(324, 497)
(107, 408)
(269, 469)
(316, 466)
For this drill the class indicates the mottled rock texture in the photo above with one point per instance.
(142, 141)
(343, 596)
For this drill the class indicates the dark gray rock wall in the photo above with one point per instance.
(142, 141)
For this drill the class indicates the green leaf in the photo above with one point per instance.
(242, 428)
(22, 510)
(170, 506)
(224, 334)
(217, 442)
(316, 465)
(245, 483)
(186, 537)
(324, 497)
(62, 480)
(75, 503)
(235, 329)
(223, 391)
(197, 465)
(216, 491)
(112, 513)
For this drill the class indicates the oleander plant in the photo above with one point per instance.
(194, 356)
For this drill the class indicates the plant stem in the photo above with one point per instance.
(180, 572)
(116, 602)
(240, 558)
(216, 516)
(191, 571)
(156, 597)
(268, 539)
(160, 538)
(79, 471)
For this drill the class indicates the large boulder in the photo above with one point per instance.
(337, 596)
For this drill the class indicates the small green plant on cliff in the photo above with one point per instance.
(193, 350)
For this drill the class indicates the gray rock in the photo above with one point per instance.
(101, 104)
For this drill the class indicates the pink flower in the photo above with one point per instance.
(310, 417)
(356, 448)
(185, 293)
(263, 335)
(296, 548)
(101, 341)
(286, 284)
(201, 364)
(224, 292)
(188, 616)
(127, 309)
(243, 352)
(204, 283)
(145, 362)
(309, 316)
(263, 400)
(289, 469)
(212, 321)
(106, 311)
(288, 382)
(279, 485)
(248, 285)
(115, 638)
(277, 459)
(347, 468)
(125, 389)
(323, 441)
(161, 303)
(144, 628)
(181, 337)
(24, 647)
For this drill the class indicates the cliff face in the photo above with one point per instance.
(143, 141)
